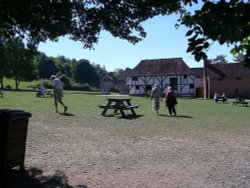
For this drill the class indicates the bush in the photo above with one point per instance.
(77, 86)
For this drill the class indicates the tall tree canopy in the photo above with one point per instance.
(219, 59)
(84, 72)
(19, 62)
(225, 21)
(47, 68)
(82, 20)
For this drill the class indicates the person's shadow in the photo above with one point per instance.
(66, 114)
(34, 178)
(177, 116)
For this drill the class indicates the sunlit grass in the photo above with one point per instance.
(194, 115)
(22, 85)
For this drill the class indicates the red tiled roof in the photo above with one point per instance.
(155, 67)
(220, 70)
(228, 70)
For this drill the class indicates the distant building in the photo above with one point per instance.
(122, 86)
(164, 72)
(108, 83)
(231, 78)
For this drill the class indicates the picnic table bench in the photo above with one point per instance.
(222, 99)
(118, 105)
(46, 94)
(240, 101)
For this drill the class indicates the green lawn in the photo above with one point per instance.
(22, 85)
(192, 113)
(205, 145)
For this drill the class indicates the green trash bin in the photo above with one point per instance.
(13, 134)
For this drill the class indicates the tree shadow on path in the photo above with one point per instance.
(34, 178)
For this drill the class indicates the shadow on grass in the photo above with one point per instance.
(177, 116)
(34, 178)
(66, 114)
(128, 116)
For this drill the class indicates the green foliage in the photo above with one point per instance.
(25, 85)
(239, 58)
(47, 68)
(84, 72)
(17, 62)
(219, 59)
(81, 71)
(65, 80)
(81, 20)
(80, 87)
(224, 21)
(36, 21)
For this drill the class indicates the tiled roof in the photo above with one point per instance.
(198, 72)
(107, 77)
(220, 70)
(228, 70)
(154, 67)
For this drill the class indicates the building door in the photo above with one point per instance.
(173, 83)
(199, 92)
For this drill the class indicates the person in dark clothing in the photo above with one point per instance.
(171, 101)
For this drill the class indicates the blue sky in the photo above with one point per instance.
(163, 41)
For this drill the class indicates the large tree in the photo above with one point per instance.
(47, 68)
(3, 65)
(82, 20)
(19, 62)
(84, 72)
(220, 59)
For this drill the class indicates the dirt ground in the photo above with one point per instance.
(103, 160)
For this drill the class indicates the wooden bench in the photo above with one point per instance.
(240, 101)
(131, 107)
(105, 106)
(222, 99)
(47, 94)
(1, 93)
(121, 107)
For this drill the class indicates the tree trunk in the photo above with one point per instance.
(205, 80)
(1, 82)
(17, 82)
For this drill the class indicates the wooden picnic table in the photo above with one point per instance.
(240, 101)
(118, 105)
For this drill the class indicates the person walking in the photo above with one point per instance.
(58, 93)
(155, 97)
(171, 101)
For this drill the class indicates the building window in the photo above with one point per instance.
(191, 86)
(185, 76)
(137, 87)
(220, 79)
(134, 78)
